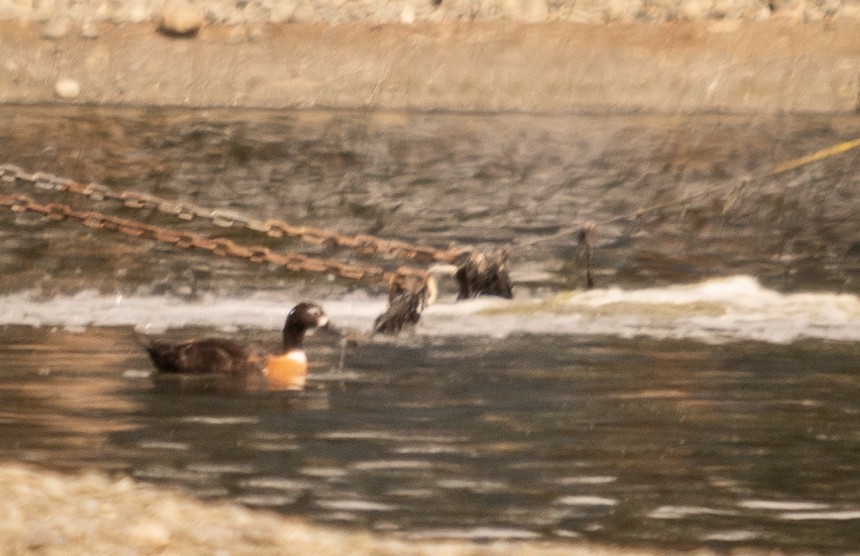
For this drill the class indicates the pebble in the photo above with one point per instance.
(407, 16)
(55, 29)
(89, 30)
(691, 10)
(527, 11)
(128, 11)
(255, 33)
(185, 17)
(237, 35)
(67, 89)
(624, 11)
(282, 12)
(147, 531)
(179, 17)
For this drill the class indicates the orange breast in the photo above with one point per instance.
(287, 372)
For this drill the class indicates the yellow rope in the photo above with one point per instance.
(839, 148)
(833, 150)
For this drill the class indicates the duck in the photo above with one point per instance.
(408, 299)
(241, 363)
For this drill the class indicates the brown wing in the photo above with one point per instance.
(209, 356)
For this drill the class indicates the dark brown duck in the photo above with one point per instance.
(244, 363)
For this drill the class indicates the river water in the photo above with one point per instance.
(704, 393)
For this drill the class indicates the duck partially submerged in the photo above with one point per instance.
(244, 364)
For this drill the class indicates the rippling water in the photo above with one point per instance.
(704, 393)
(629, 440)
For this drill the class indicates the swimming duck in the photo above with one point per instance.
(243, 363)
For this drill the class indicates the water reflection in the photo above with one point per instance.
(64, 391)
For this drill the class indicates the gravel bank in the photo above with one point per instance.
(48, 513)
(235, 12)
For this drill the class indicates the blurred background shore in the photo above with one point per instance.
(452, 55)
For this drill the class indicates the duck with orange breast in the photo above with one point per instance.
(242, 363)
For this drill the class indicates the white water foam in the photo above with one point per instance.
(153, 314)
(717, 310)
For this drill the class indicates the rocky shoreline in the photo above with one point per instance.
(59, 14)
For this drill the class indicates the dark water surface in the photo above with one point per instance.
(668, 193)
(665, 443)
(595, 428)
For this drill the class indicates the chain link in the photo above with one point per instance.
(220, 247)
(366, 244)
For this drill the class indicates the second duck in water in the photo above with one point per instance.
(243, 364)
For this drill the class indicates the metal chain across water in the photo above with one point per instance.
(487, 275)
(217, 246)
(361, 243)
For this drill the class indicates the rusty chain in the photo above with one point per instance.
(221, 247)
(361, 243)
